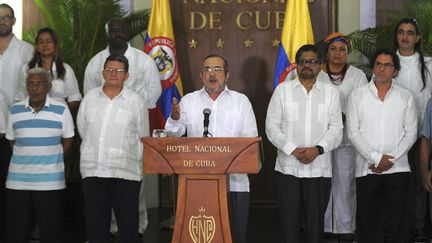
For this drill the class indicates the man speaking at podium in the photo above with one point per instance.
(217, 111)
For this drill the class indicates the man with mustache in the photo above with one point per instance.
(414, 75)
(41, 131)
(143, 78)
(304, 123)
(231, 116)
(13, 54)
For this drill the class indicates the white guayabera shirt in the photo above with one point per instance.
(111, 132)
(296, 118)
(231, 116)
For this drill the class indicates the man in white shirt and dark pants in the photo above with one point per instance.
(144, 79)
(382, 125)
(13, 54)
(415, 75)
(304, 123)
(111, 124)
(231, 116)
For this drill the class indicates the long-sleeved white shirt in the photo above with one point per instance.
(231, 116)
(63, 90)
(409, 77)
(296, 118)
(354, 78)
(144, 76)
(378, 127)
(17, 54)
(111, 132)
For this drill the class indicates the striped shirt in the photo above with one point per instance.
(37, 160)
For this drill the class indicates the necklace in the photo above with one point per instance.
(336, 78)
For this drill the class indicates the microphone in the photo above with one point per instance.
(206, 113)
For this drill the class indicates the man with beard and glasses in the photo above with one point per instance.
(144, 79)
(304, 123)
(382, 126)
(13, 54)
(231, 116)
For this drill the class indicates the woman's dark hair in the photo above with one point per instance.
(423, 68)
(61, 71)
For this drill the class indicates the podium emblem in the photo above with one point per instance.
(202, 227)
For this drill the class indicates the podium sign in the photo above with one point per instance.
(203, 165)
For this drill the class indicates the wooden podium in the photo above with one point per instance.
(203, 165)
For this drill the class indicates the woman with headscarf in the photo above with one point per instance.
(341, 211)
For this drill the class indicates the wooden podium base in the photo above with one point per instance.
(204, 218)
(203, 165)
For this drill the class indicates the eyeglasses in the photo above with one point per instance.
(212, 69)
(6, 18)
(45, 42)
(385, 65)
(312, 62)
(36, 85)
(112, 70)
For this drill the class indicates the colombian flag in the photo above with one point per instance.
(160, 45)
(296, 32)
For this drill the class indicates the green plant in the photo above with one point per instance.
(369, 40)
(80, 26)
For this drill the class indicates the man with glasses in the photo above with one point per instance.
(111, 124)
(13, 54)
(382, 125)
(231, 116)
(143, 78)
(304, 123)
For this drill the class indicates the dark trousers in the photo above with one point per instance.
(239, 211)
(417, 193)
(5, 155)
(48, 206)
(297, 195)
(381, 208)
(102, 194)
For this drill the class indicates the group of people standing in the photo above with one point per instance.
(352, 155)
(40, 101)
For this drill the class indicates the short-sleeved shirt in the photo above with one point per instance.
(37, 160)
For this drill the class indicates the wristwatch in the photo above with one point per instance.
(320, 149)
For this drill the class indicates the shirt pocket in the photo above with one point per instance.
(291, 112)
(322, 113)
(124, 117)
(91, 114)
(233, 122)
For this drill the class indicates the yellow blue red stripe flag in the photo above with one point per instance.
(296, 32)
(160, 45)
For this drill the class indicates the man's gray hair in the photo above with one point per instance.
(40, 71)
